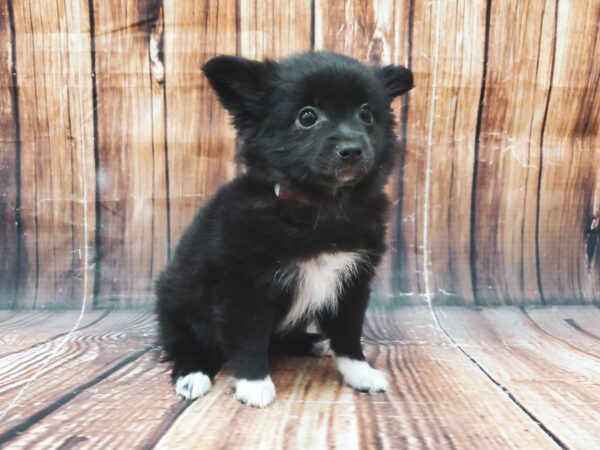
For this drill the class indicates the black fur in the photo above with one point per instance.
(217, 299)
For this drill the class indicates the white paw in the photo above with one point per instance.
(192, 385)
(322, 348)
(259, 393)
(361, 376)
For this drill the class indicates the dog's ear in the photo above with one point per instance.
(397, 80)
(241, 85)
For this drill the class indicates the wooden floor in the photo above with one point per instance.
(460, 378)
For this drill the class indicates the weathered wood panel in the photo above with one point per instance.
(525, 371)
(508, 151)
(131, 176)
(52, 54)
(578, 326)
(140, 398)
(547, 376)
(200, 142)
(89, 354)
(437, 172)
(269, 29)
(568, 231)
(497, 193)
(38, 327)
(10, 221)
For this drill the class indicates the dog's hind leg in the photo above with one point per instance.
(195, 362)
(192, 373)
(194, 366)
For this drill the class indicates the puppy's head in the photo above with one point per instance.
(317, 119)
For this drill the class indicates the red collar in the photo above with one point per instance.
(285, 193)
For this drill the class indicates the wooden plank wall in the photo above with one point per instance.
(110, 139)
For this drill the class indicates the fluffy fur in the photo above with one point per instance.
(297, 236)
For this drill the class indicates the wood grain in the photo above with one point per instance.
(34, 328)
(350, 27)
(7, 315)
(525, 371)
(131, 175)
(509, 151)
(438, 164)
(10, 232)
(497, 193)
(273, 29)
(85, 355)
(546, 375)
(201, 143)
(569, 211)
(584, 320)
(565, 325)
(56, 129)
(138, 395)
(429, 405)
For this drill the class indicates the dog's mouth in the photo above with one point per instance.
(342, 175)
(349, 174)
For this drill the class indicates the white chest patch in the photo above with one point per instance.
(318, 283)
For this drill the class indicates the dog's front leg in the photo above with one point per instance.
(249, 340)
(344, 328)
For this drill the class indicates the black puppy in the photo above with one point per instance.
(297, 237)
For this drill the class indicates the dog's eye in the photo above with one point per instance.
(365, 114)
(307, 117)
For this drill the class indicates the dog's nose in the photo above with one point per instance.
(349, 152)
